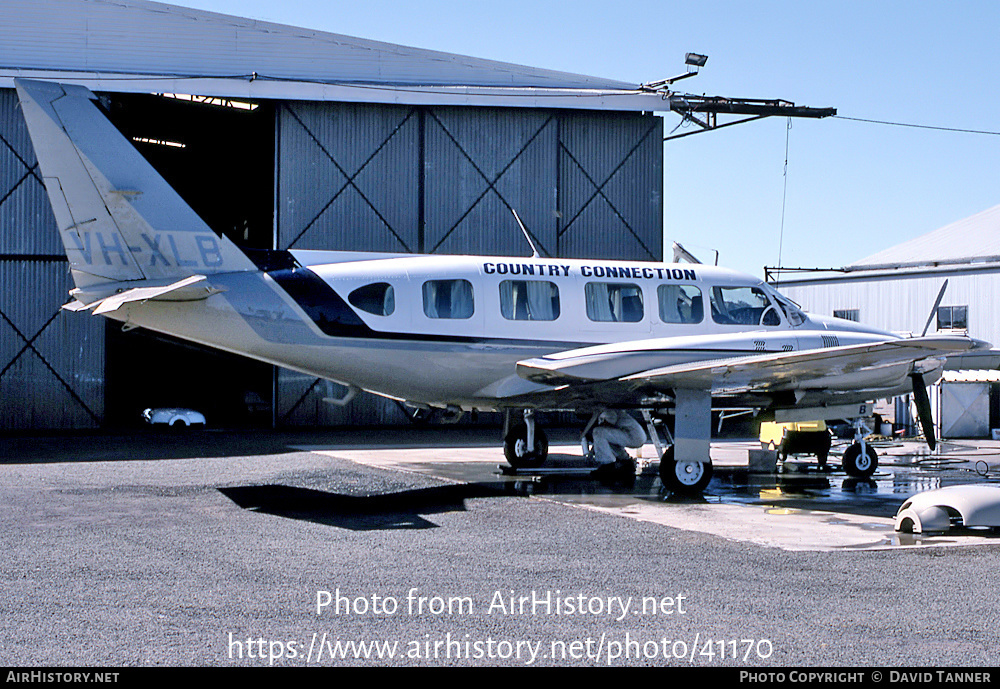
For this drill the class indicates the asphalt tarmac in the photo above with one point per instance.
(406, 548)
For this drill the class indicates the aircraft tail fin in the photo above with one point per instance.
(118, 218)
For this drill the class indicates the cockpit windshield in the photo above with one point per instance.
(792, 311)
(743, 306)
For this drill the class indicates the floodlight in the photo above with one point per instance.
(695, 60)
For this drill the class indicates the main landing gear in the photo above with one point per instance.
(524, 444)
(685, 465)
(684, 477)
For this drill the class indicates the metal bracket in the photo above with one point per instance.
(654, 434)
(710, 107)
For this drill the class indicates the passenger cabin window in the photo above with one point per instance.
(848, 314)
(680, 304)
(613, 302)
(378, 299)
(742, 306)
(953, 318)
(448, 299)
(529, 300)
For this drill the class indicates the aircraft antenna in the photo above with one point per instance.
(682, 254)
(524, 231)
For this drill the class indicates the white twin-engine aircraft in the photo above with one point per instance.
(464, 332)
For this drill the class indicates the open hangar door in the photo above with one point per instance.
(219, 156)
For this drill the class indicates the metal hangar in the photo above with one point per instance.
(288, 138)
(284, 137)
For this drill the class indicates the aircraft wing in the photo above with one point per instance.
(851, 367)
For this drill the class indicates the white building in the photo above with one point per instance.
(896, 289)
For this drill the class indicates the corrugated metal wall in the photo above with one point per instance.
(348, 180)
(479, 163)
(51, 362)
(443, 180)
(611, 186)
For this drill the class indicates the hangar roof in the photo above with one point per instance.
(142, 46)
(971, 245)
(975, 239)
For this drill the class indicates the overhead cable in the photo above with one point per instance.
(918, 126)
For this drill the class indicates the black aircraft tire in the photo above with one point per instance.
(858, 466)
(685, 478)
(515, 447)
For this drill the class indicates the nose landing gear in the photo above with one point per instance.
(860, 459)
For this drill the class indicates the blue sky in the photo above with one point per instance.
(853, 188)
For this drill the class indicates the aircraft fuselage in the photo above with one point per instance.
(448, 330)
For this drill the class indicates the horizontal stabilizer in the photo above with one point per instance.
(192, 288)
(76, 305)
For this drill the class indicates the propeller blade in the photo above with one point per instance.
(937, 303)
(923, 408)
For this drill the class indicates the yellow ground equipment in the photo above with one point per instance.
(804, 437)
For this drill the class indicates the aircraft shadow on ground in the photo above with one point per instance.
(402, 510)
